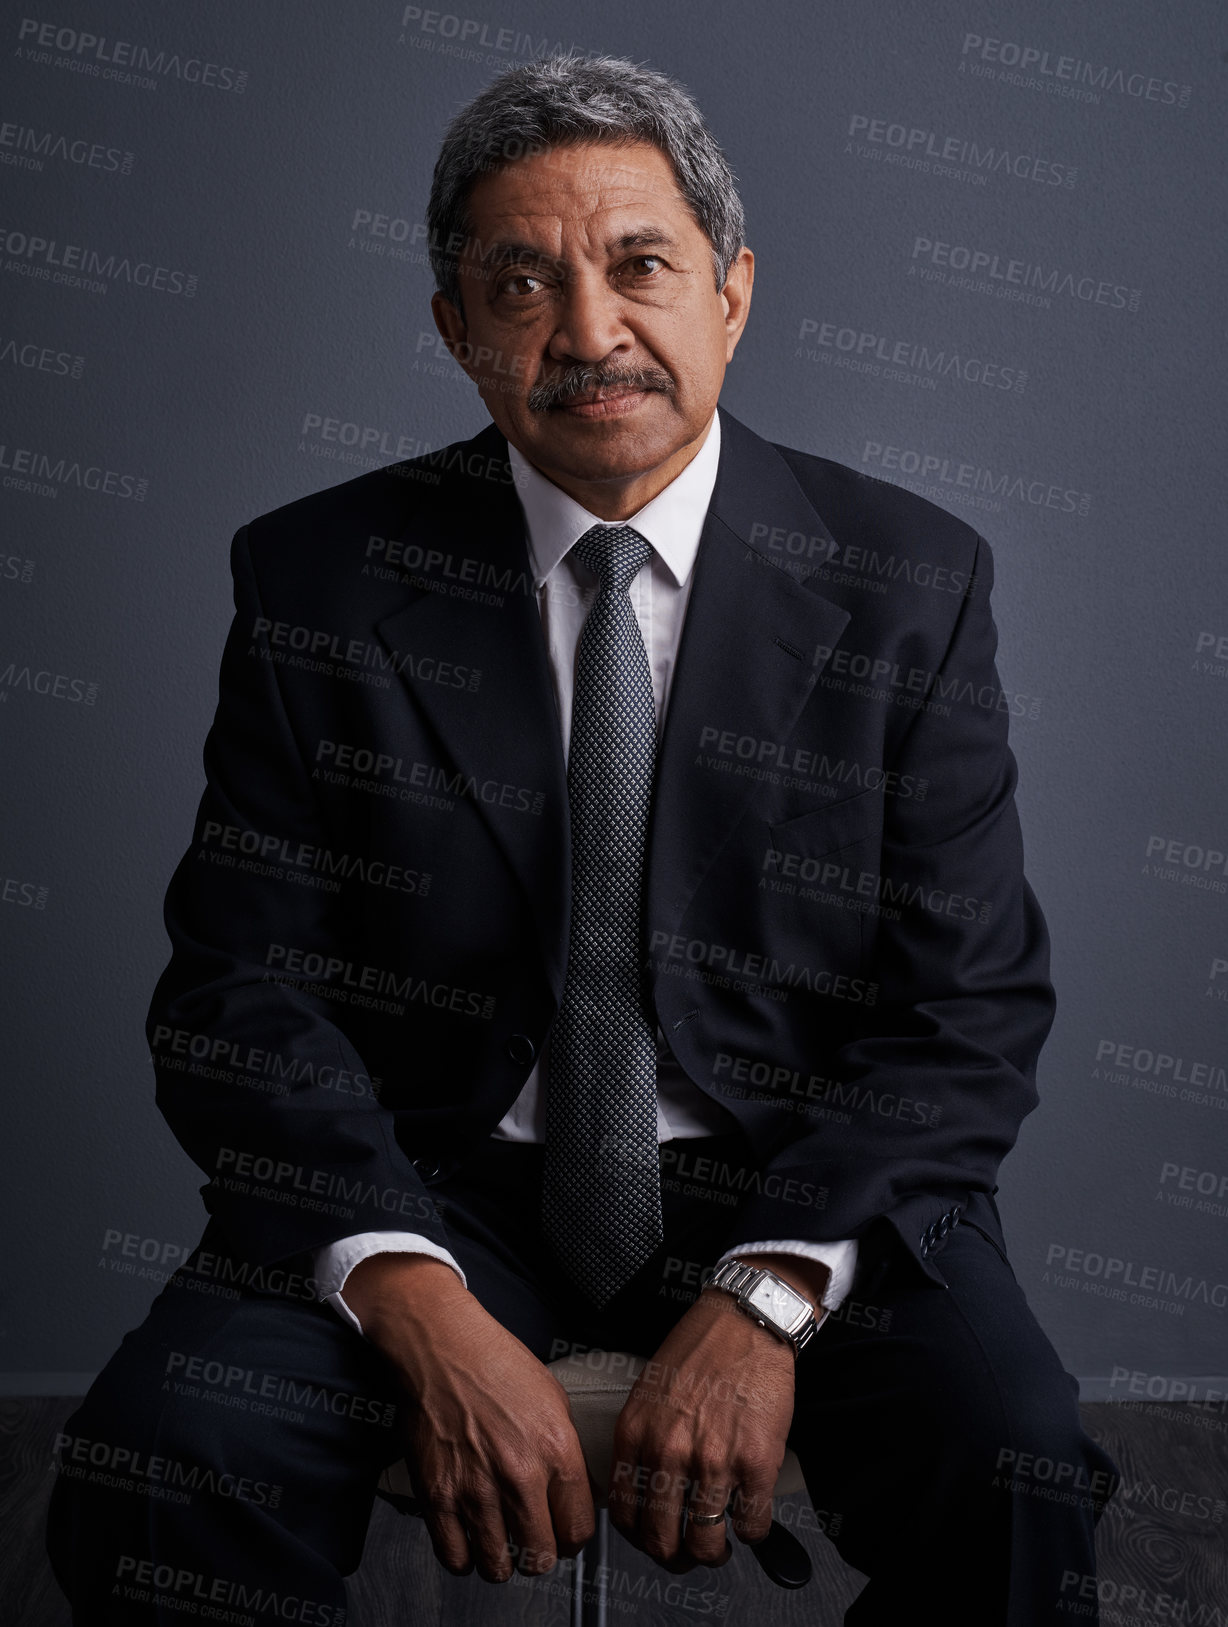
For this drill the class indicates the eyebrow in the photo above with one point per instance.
(507, 251)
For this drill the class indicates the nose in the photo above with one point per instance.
(591, 324)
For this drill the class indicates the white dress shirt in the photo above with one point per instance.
(672, 522)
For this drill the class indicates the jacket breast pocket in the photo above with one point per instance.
(825, 864)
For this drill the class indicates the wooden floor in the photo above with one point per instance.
(1165, 1536)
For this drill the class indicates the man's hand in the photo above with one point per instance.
(705, 1421)
(493, 1454)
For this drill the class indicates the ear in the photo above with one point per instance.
(453, 331)
(736, 296)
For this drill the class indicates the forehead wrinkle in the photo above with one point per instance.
(599, 188)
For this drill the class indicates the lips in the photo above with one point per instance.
(607, 392)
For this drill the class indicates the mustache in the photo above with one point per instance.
(581, 380)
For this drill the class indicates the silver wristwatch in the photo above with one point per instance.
(769, 1300)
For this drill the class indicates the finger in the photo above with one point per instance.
(707, 1543)
(660, 1527)
(752, 1508)
(572, 1511)
(721, 1558)
(488, 1538)
(440, 1510)
(448, 1538)
(526, 1513)
(623, 1495)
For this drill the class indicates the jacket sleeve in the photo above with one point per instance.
(242, 1061)
(963, 998)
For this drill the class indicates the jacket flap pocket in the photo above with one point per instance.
(835, 825)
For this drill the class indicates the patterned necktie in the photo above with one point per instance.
(601, 1193)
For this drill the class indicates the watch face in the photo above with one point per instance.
(776, 1301)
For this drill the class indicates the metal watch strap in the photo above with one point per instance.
(737, 1278)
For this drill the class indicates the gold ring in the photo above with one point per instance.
(705, 1519)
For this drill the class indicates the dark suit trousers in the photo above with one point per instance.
(226, 1457)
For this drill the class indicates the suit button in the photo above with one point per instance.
(944, 1225)
(426, 1167)
(521, 1048)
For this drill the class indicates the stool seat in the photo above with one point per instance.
(598, 1383)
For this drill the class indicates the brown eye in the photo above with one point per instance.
(506, 287)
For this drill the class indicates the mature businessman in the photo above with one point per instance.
(605, 923)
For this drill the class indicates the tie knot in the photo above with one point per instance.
(614, 554)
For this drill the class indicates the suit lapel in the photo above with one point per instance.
(746, 663)
(507, 732)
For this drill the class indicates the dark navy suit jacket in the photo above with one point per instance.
(369, 929)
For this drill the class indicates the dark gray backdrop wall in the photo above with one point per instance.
(986, 269)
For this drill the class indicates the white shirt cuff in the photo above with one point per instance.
(335, 1261)
(840, 1257)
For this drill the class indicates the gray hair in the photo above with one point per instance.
(561, 100)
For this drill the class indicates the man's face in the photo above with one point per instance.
(592, 325)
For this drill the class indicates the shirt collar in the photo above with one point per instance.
(672, 521)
